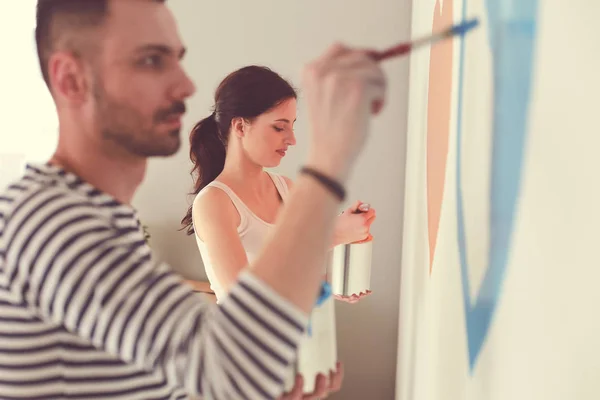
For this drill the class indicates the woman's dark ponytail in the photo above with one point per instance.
(246, 93)
(207, 152)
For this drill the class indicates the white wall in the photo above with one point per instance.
(226, 35)
(544, 338)
(29, 123)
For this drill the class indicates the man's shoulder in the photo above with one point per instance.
(30, 187)
(32, 196)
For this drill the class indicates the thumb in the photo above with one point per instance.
(363, 207)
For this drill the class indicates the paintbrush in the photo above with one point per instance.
(404, 48)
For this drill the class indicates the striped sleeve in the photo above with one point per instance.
(70, 265)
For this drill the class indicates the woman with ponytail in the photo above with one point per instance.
(236, 200)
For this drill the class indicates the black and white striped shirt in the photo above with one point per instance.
(85, 312)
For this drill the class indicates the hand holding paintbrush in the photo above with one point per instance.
(343, 88)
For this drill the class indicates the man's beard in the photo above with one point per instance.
(122, 125)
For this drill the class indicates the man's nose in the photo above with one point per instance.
(185, 87)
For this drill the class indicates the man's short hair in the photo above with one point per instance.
(60, 25)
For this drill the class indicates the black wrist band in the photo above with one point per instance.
(333, 186)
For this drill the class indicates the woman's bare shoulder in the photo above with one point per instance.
(214, 204)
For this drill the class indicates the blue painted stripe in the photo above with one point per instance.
(512, 28)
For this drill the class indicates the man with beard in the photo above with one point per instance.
(85, 309)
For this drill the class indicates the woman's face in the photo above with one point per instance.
(268, 137)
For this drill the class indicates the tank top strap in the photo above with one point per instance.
(280, 184)
(239, 205)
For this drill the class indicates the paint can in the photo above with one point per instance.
(350, 267)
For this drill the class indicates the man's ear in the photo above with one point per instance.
(67, 77)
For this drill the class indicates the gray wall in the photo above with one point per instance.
(226, 35)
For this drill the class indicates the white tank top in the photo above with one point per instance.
(252, 230)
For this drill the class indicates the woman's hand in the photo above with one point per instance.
(354, 227)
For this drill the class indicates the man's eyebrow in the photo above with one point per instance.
(161, 48)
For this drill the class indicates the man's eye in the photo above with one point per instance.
(151, 61)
